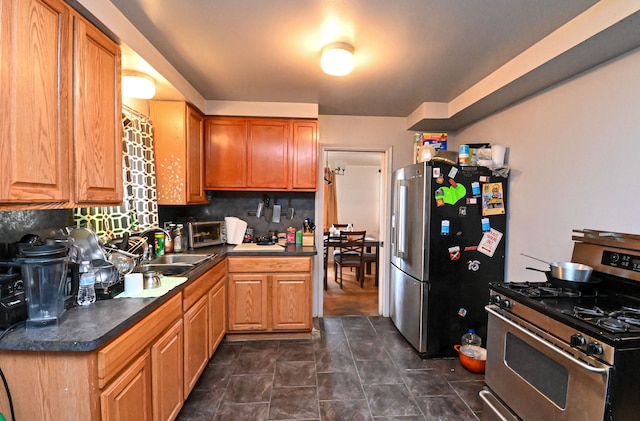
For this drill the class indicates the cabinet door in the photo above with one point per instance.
(129, 396)
(195, 156)
(35, 111)
(166, 374)
(268, 154)
(217, 315)
(291, 301)
(196, 345)
(225, 153)
(248, 298)
(97, 118)
(304, 161)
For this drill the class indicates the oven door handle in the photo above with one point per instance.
(545, 343)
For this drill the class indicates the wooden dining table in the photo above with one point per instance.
(371, 246)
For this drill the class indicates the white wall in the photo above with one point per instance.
(574, 151)
(358, 192)
(369, 132)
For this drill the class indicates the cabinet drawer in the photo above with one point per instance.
(253, 264)
(192, 293)
(118, 354)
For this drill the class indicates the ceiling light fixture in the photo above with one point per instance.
(138, 85)
(337, 59)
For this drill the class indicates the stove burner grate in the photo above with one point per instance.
(543, 290)
(627, 319)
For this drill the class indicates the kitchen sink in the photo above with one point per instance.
(171, 259)
(167, 269)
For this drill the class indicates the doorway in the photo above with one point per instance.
(360, 183)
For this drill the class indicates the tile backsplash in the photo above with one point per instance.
(241, 204)
(14, 224)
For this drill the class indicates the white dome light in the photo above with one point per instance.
(337, 59)
(138, 85)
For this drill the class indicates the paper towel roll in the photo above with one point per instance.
(133, 283)
(236, 228)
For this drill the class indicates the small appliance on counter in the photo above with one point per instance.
(205, 233)
(44, 275)
(13, 305)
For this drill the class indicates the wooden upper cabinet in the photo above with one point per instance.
(60, 114)
(260, 154)
(268, 154)
(304, 165)
(225, 153)
(35, 86)
(97, 116)
(178, 144)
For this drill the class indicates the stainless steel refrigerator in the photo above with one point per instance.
(448, 242)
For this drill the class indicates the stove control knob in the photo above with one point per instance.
(577, 340)
(594, 348)
(496, 299)
(505, 304)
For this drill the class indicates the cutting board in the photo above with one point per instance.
(255, 247)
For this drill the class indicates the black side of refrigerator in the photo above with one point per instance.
(459, 273)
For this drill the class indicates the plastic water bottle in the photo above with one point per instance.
(87, 285)
(470, 338)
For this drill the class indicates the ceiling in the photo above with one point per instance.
(407, 52)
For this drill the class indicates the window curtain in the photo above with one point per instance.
(330, 199)
(139, 209)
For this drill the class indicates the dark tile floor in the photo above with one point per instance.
(358, 368)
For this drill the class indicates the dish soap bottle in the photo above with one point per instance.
(87, 284)
(177, 239)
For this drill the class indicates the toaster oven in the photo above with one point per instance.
(205, 233)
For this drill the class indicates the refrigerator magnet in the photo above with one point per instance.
(472, 201)
(444, 227)
(486, 225)
(475, 188)
(454, 253)
(453, 172)
(489, 243)
(439, 195)
(462, 211)
(492, 202)
(473, 265)
(453, 183)
(462, 312)
(440, 180)
(484, 178)
(436, 172)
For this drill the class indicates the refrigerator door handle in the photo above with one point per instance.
(401, 250)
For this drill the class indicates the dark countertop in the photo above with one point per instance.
(83, 329)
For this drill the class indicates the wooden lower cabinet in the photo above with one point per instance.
(196, 346)
(290, 304)
(167, 374)
(204, 322)
(269, 294)
(248, 301)
(145, 373)
(217, 315)
(129, 396)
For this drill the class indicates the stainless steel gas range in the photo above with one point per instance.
(568, 354)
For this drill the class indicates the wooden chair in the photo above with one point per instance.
(326, 256)
(370, 258)
(350, 254)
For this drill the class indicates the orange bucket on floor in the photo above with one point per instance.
(475, 365)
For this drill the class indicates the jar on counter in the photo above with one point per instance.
(291, 235)
(159, 243)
